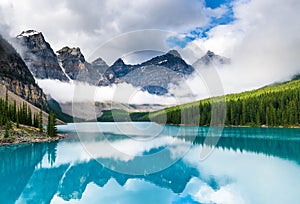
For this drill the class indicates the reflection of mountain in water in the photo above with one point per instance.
(80, 175)
(24, 178)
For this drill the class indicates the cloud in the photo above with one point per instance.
(88, 24)
(122, 93)
(263, 43)
(263, 40)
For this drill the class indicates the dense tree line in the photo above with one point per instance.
(275, 106)
(22, 114)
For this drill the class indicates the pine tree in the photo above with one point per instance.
(51, 129)
(17, 120)
(41, 120)
(7, 128)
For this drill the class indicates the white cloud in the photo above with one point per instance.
(263, 41)
(263, 44)
(88, 24)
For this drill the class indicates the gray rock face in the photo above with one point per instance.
(15, 75)
(78, 69)
(153, 75)
(210, 58)
(39, 56)
(72, 61)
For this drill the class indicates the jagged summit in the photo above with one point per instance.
(210, 53)
(99, 62)
(175, 53)
(119, 61)
(72, 53)
(39, 56)
(152, 75)
(28, 33)
(100, 65)
(211, 58)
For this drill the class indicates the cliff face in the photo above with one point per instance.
(15, 75)
(40, 57)
(77, 68)
(30, 92)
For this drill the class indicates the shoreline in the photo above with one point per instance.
(26, 134)
(8, 142)
(233, 126)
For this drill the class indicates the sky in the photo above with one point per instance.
(262, 37)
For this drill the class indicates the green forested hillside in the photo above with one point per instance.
(275, 105)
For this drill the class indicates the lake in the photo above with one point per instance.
(149, 163)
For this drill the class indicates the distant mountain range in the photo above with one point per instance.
(69, 64)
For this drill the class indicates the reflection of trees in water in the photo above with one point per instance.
(20, 177)
(51, 151)
(286, 149)
(17, 164)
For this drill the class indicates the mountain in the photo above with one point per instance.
(15, 75)
(77, 68)
(210, 58)
(39, 56)
(153, 75)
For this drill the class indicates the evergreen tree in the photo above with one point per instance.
(7, 128)
(41, 120)
(51, 129)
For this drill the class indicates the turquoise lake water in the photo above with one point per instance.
(148, 163)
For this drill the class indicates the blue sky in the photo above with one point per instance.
(216, 3)
(201, 32)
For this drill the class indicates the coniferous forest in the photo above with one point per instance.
(22, 114)
(272, 106)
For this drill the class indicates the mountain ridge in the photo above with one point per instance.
(153, 75)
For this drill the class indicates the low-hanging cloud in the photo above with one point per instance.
(82, 92)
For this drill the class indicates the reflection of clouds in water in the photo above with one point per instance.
(240, 177)
(202, 192)
(127, 149)
(67, 153)
(257, 178)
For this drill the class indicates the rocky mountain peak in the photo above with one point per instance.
(211, 58)
(210, 53)
(100, 65)
(39, 56)
(172, 61)
(28, 33)
(119, 62)
(175, 53)
(70, 53)
(99, 62)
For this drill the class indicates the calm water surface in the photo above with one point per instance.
(148, 163)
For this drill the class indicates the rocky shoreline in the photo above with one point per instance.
(26, 134)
